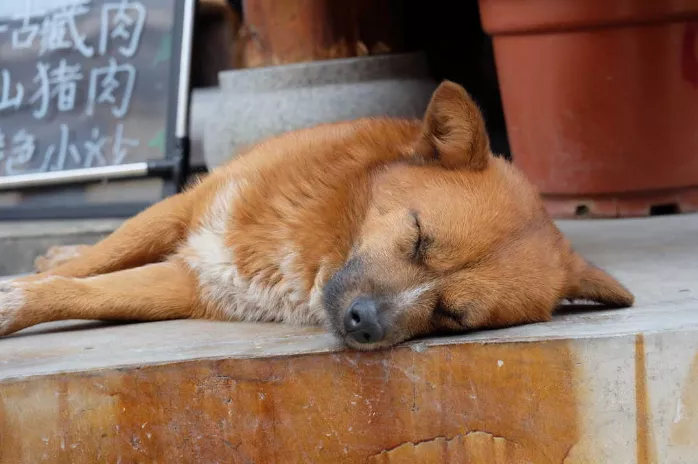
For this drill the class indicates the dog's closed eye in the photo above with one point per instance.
(421, 240)
(443, 311)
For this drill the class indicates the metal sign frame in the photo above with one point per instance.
(173, 168)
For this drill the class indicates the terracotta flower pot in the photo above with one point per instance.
(601, 101)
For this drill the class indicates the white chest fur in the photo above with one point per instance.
(277, 295)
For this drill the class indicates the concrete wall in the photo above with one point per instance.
(605, 400)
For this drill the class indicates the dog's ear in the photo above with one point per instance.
(453, 131)
(588, 282)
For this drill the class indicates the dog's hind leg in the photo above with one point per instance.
(148, 237)
(166, 290)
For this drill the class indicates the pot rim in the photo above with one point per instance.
(505, 17)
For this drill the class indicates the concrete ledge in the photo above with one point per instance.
(22, 241)
(590, 386)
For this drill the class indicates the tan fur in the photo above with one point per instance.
(418, 215)
(57, 255)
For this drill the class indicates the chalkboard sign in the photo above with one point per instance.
(94, 101)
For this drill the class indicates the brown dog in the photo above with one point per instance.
(382, 229)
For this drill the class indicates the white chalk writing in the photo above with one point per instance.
(65, 147)
(58, 31)
(23, 149)
(121, 144)
(6, 100)
(55, 29)
(127, 18)
(23, 37)
(93, 149)
(18, 151)
(104, 82)
(60, 82)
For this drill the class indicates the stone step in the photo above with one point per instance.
(591, 386)
(21, 242)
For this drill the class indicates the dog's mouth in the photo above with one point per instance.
(361, 343)
(353, 344)
(364, 326)
(360, 318)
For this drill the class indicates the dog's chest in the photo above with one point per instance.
(275, 294)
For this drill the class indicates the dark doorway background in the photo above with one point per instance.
(457, 48)
(451, 34)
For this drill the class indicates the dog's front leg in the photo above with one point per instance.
(148, 237)
(159, 291)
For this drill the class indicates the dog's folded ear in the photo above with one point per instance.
(453, 131)
(588, 282)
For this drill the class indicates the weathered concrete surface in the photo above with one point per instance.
(595, 387)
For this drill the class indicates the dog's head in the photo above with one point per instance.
(456, 240)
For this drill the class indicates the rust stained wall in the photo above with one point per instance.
(474, 447)
(516, 399)
(684, 430)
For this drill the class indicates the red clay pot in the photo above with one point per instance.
(601, 101)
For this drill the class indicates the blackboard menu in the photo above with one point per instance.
(87, 84)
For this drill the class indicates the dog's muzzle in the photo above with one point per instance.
(362, 322)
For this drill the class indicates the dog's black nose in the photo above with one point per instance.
(361, 321)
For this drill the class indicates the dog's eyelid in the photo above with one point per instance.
(417, 223)
(442, 310)
(421, 241)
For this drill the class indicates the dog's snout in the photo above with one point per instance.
(362, 322)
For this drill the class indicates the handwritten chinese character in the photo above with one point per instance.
(65, 148)
(60, 82)
(7, 101)
(23, 37)
(120, 145)
(94, 149)
(106, 78)
(23, 148)
(128, 19)
(59, 31)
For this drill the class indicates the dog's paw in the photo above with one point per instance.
(57, 255)
(12, 298)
